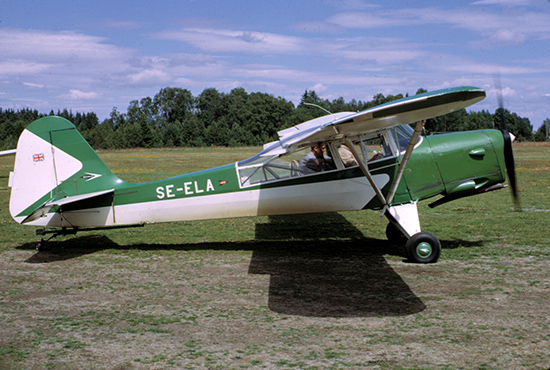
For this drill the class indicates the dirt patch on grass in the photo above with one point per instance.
(90, 303)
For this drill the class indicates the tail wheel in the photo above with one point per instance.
(423, 248)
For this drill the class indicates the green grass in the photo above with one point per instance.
(267, 292)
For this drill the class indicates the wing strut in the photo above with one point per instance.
(414, 138)
(365, 170)
(387, 201)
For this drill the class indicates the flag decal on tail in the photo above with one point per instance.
(38, 157)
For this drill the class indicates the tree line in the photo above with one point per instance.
(174, 117)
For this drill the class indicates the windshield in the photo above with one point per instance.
(403, 135)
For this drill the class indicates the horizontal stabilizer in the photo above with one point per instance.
(8, 152)
(46, 207)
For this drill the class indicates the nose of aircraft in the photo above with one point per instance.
(469, 161)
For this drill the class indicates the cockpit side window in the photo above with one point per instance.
(371, 147)
(376, 147)
(302, 162)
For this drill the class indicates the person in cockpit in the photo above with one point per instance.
(316, 160)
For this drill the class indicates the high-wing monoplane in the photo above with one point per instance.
(374, 159)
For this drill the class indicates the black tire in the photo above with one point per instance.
(423, 248)
(394, 235)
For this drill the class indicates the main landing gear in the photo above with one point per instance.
(422, 247)
(404, 229)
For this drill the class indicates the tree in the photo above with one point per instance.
(267, 116)
(144, 109)
(89, 121)
(518, 126)
(421, 91)
(542, 132)
(211, 106)
(193, 133)
(101, 136)
(455, 121)
(172, 134)
(217, 134)
(479, 120)
(9, 133)
(338, 105)
(116, 119)
(173, 105)
(309, 98)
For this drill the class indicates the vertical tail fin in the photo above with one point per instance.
(53, 162)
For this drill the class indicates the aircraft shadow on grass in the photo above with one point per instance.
(330, 270)
(334, 271)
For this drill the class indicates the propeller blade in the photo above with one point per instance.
(509, 156)
(508, 152)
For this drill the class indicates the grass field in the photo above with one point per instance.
(273, 292)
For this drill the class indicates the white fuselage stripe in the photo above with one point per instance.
(327, 196)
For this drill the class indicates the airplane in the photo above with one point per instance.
(373, 159)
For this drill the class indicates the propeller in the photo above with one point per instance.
(508, 153)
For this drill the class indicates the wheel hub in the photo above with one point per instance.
(424, 249)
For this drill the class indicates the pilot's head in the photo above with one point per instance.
(318, 149)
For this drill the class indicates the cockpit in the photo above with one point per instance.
(270, 166)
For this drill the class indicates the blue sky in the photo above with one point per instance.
(96, 55)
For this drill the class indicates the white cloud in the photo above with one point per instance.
(23, 67)
(234, 41)
(507, 36)
(150, 77)
(505, 92)
(30, 84)
(319, 88)
(514, 26)
(502, 2)
(56, 46)
(376, 51)
(318, 27)
(75, 94)
(352, 4)
(373, 19)
(125, 25)
(508, 27)
(466, 66)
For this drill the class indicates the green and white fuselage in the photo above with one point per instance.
(213, 193)
(59, 181)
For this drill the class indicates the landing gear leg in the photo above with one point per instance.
(394, 235)
(404, 228)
